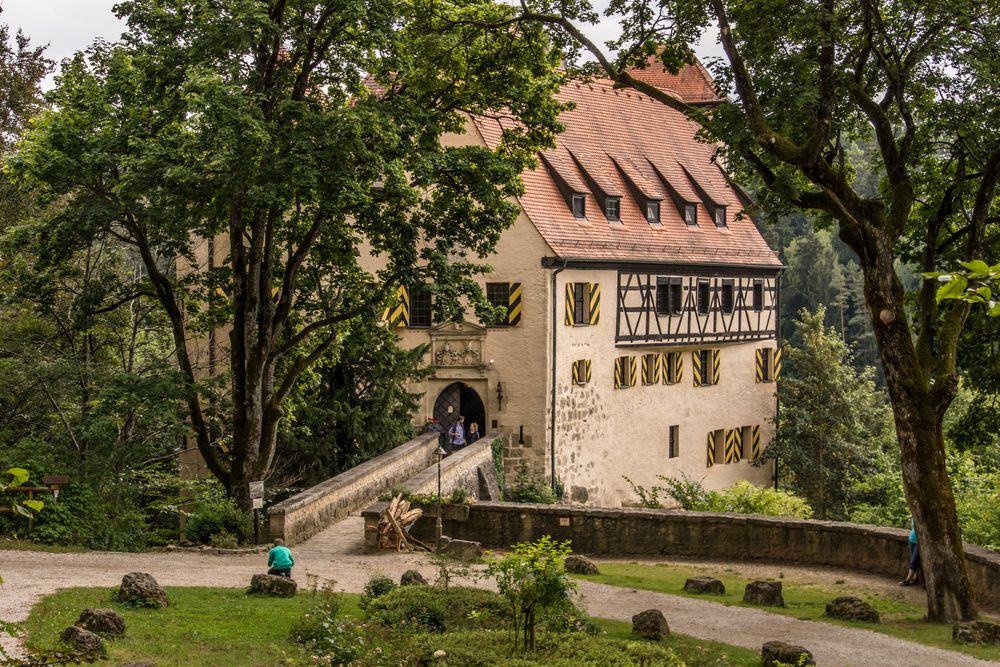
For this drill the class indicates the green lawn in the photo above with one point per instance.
(226, 628)
(900, 617)
(222, 627)
(694, 652)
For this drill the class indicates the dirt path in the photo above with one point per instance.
(338, 553)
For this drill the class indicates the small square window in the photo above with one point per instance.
(653, 212)
(668, 296)
(498, 294)
(674, 443)
(728, 287)
(613, 208)
(758, 294)
(720, 216)
(580, 206)
(703, 297)
(690, 214)
(420, 306)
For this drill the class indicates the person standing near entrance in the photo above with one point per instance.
(473, 433)
(456, 435)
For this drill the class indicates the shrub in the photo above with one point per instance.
(224, 540)
(526, 489)
(742, 497)
(376, 587)
(496, 446)
(434, 609)
(329, 638)
(213, 516)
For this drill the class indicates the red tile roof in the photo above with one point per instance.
(612, 132)
(692, 83)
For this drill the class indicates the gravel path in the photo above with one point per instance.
(338, 553)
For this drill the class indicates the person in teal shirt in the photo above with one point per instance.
(913, 574)
(279, 559)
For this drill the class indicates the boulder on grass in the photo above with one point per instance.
(83, 640)
(848, 608)
(705, 586)
(780, 653)
(462, 549)
(577, 564)
(102, 621)
(650, 624)
(139, 589)
(273, 585)
(976, 632)
(412, 578)
(764, 593)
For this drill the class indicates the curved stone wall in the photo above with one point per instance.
(707, 536)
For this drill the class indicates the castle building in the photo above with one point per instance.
(640, 337)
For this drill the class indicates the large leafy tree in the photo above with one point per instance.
(834, 425)
(250, 151)
(917, 82)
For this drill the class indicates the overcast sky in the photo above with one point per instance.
(68, 26)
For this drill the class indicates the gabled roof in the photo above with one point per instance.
(692, 83)
(613, 136)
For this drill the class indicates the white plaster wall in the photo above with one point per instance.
(605, 434)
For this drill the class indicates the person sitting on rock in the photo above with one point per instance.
(279, 559)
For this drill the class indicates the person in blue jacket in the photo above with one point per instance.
(912, 575)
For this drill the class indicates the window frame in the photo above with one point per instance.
(693, 210)
(581, 199)
(653, 205)
(670, 370)
(625, 364)
(617, 203)
(705, 355)
(505, 304)
(758, 295)
(768, 375)
(707, 285)
(650, 359)
(418, 293)
(720, 222)
(673, 441)
(728, 286)
(581, 299)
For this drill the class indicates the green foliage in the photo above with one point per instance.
(532, 580)
(496, 447)
(22, 507)
(437, 609)
(213, 517)
(528, 489)
(324, 630)
(377, 586)
(976, 283)
(834, 426)
(742, 498)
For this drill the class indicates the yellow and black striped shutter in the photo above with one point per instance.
(710, 451)
(618, 372)
(716, 366)
(777, 364)
(585, 372)
(755, 442)
(594, 289)
(514, 304)
(569, 304)
(730, 455)
(633, 369)
(581, 371)
(679, 371)
(576, 372)
(398, 315)
(696, 367)
(759, 354)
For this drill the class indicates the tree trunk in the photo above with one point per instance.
(918, 409)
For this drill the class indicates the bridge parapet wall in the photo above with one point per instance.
(303, 515)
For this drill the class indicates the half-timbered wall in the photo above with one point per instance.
(639, 323)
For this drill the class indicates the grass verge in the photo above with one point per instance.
(227, 628)
(900, 617)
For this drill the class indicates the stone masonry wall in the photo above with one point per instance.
(470, 467)
(305, 514)
(704, 535)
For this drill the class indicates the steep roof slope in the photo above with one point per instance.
(621, 143)
(692, 83)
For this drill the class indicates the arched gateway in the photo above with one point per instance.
(456, 399)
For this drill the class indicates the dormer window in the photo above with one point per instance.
(690, 214)
(613, 208)
(579, 206)
(653, 212)
(720, 216)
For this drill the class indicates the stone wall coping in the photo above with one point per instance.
(453, 461)
(352, 476)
